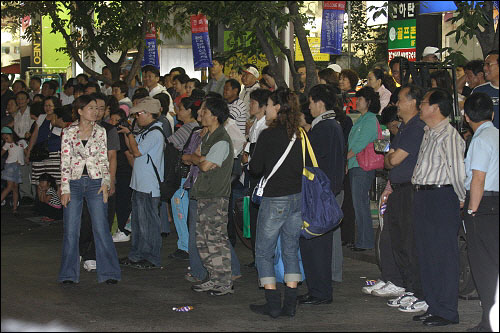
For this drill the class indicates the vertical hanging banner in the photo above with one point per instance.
(150, 50)
(332, 27)
(202, 56)
(402, 28)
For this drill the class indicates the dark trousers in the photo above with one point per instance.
(436, 221)
(254, 213)
(124, 198)
(237, 191)
(44, 209)
(389, 271)
(348, 229)
(317, 261)
(482, 248)
(400, 217)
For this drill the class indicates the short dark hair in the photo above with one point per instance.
(475, 66)
(213, 94)
(23, 84)
(493, 52)
(197, 83)
(397, 60)
(220, 60)
(218, 107)
(70, 83)
(22, 92)
(36, 78)
(414, 92)
(267, 70)
(164, 101)
(36, 109)
(177, 69)
(322, 92)
(56, 101)
(112, 103)
(443, 79)
(443, 99)
(93, 84)
(85, 76)
(478, 107)
(5, 77)
(329, 75)
(182, 78)
(299, 65)
(120, 112)
(122, 85)
(65, 113)
(261, 96)
(389, 114)
(234, 84)
(198, 93)
(55, 82)
(140, 93)
(379, 74)
(152, 69)
(351, 75)
(80, 103)
(45, 177)
(372, 98)
(193, 104)
(79, 88)
(41, 96)
(99, 95)
(52, 85)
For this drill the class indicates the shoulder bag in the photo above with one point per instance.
(368, 159)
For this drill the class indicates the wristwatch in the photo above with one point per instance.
(470, 212)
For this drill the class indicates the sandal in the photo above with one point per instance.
(191, 278)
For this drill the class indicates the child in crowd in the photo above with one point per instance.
(12, 172)
(49, 204)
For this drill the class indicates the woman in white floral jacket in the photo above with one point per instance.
(85, 175)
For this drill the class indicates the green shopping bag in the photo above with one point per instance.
(246, 217)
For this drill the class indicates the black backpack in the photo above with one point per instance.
(174, 169)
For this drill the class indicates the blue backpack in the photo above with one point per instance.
(320, 210)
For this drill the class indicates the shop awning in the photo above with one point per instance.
(12, 69)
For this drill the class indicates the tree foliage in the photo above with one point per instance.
(103, 27)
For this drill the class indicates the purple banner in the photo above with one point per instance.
(202, 56)
(332, 27)
(150, 50)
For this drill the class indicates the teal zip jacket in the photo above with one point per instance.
(362, 133)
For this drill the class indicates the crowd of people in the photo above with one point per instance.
(79, 152)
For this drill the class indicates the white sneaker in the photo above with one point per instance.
(120, 236)
(389, 290)
(368, 289)
(415, 306)
(90, 265)
(403, 300)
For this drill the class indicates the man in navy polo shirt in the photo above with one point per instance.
(491, 87)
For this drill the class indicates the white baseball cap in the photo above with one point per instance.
(252, 70)
(431, 50)
(335, 67)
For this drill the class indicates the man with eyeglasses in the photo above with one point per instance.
(491, 88)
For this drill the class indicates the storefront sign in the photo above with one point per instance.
(402, 31)
(332, 27)
(36, 56)
(314, 45)
(151, 50)
(202, 55)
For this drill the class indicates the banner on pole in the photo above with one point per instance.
(332, 26)
(150, 50)
(202, 56)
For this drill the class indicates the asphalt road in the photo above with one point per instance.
(143, 300)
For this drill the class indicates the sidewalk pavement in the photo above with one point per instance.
(143, 300)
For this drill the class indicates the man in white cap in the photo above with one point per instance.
(250, 79)
(147, 148)
(431, 54)
(336, 68)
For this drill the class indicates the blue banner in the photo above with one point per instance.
(332, 27)
(202, 55)
(150, 50)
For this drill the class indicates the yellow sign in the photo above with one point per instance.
(314, 45)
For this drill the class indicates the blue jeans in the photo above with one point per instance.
(278, 216)
(146, 229)
(197, 269)
(361, 181)
(106, 257)
(180, 204)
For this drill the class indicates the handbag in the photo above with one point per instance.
(368, 159)
(320, 210)
(258, 191)
(40, 151)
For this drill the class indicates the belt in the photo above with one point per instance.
(397, 186)
(417, 187)
(486, 194)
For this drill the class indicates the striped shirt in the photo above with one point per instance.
(54, 200)
(238, 110)
(441, 158)
(180, 137)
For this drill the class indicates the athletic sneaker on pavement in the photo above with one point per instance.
(415, 306)
(120, 236)
(405, 299)
(222, 290)
(90, 265)
(389, 290)
(368, 289)
(204, 286)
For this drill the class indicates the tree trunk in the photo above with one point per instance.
(311, 76)
(488, 39)
(291, 62)
(268, 51)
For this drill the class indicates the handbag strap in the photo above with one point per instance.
(305, 142)
(281, 160)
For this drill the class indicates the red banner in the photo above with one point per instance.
(199, 23)
(338, 5)
(410, 54)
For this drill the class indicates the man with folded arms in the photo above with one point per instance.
(439, 193)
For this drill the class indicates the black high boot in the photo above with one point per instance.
(273, 305)
(289, 302)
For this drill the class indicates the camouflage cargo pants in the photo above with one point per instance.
(212, 241)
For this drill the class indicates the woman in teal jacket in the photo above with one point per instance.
(362, 133)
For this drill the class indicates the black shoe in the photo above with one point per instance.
(273, 305)
(357, 249)
(422, 317)
(289, 302)
(438, 321)
(127, 262)
(179, 254)
(111, 281)
(251, 265)
(303, 297)
(144, 264)
(315, 301)
(348, 244)
(68, 282)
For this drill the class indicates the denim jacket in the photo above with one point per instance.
(74, 156)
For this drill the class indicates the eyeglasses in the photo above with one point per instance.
(139, 113)
(488, 64)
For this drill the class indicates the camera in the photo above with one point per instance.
(124, 123)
